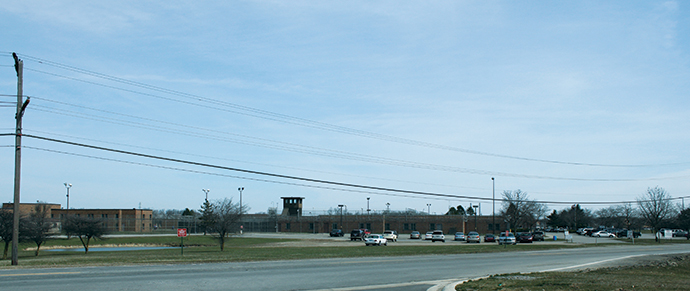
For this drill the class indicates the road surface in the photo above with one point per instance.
(378, 273)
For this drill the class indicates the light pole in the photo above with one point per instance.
(493, 209)
(368, 209)
(475, 216)
(388, 207)
(68, 186)
(341, 215)
(206, 191)
(428, 206)
(241, 226)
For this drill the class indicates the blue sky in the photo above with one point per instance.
(583, 102)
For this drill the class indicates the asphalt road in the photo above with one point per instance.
(380, 273)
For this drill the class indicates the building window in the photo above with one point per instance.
(413, 226)
(335, 226)
(369, 226)
(432, 226)
(117, 215)
(406, 226)
(361, 225)
(311, 226)
(388, 226)
(287, 225)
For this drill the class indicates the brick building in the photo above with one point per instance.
(115, 220)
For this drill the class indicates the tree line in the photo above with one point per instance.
(654, 209)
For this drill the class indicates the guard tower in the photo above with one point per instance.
(292, 206)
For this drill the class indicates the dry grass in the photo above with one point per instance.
(664, 273)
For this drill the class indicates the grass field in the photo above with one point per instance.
(205, 249)
(671, 273)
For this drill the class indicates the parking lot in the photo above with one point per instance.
(323, 239)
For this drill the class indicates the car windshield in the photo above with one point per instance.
(473, 233)
(459, 233)
(489, 235)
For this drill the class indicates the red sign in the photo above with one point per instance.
(181, 232)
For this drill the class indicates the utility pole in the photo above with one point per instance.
(21, 106)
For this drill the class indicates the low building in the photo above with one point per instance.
(115, 220)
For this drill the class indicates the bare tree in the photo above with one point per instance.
(36, 227)
(655, 207)
(225, 218)
(86, 228)
(519, 211)
(6, 229)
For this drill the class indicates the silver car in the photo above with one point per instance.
(473, 236)
(507, 238)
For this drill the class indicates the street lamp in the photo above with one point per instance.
(206, 191)
(241, 226)
(68, 186)
(341, 215)
(493, 209)
(428, 205)
(475, 216)
(388, 207)
(368, 209)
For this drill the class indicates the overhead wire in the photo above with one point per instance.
(289, 177)
(264, 114)
(248, 162)
(351, 156)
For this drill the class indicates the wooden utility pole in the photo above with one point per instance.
(21, 106)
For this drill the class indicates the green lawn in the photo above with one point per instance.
(200, 249)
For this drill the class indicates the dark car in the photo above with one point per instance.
(489, 238)
(524, 237)
(357, 234)
(337, 232)
(538, 236)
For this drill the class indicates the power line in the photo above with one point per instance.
(304, 179)
(343, 154)
(259, 113)
(248, 162)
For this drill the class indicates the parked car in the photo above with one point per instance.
(679, 233)
(357, 234)
(459, 236)
(337, 232)
(437, 235)
(489, 238)
(414, 235)
(506, 238)
(538, 236)
(428, 235)
(524, 237)
(603, 233)
(473, 236)
(391, 235)
(624, 233)
(376, 240)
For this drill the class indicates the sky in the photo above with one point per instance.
(372, 105)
